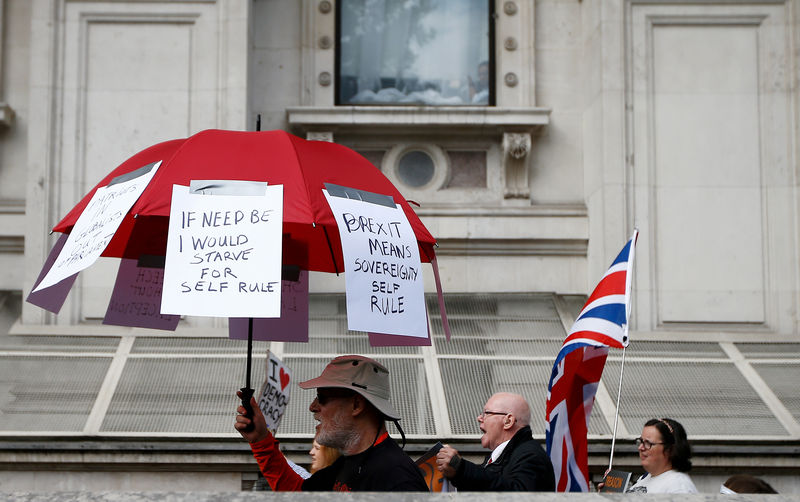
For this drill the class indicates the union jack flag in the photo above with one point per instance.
(602, 323)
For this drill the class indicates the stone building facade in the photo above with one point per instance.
(679, 118)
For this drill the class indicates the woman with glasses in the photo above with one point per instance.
(666, 456)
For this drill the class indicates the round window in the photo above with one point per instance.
(416, 169)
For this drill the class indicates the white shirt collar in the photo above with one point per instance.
(499, 450)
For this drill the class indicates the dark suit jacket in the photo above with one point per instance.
(523, 466)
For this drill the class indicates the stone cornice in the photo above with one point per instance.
(12, 244)
(12, 206)
(535, 211)
(444, 119)
(512, 247)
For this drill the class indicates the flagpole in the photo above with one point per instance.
(616, 413)
(628, 284)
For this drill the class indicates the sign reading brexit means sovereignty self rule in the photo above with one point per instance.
(95, 227)
(383, 275)
(224, 254)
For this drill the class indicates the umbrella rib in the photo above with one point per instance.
(308, 197)
(330, 248)
(288, 138)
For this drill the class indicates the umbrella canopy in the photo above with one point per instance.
(276, 157)
(310, 233)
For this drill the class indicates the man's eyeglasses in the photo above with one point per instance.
(325, 395)
(647, 444)
(484, 413)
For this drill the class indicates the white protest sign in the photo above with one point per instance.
(383, 273)
(224, 254)
(275, 392)
(96, 226)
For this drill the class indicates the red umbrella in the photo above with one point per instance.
(311, 238)
(277, 157)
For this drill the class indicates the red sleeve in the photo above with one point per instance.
(277, 471)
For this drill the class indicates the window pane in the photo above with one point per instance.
(416, 168)
(433, 52)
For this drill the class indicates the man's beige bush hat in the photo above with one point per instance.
(366, 376)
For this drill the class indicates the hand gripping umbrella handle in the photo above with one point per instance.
(247, 393)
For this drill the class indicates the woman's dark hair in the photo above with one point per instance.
(745, 483)
(675, 442)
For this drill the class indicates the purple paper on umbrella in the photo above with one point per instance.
(291, 326)
(52, 298)
(384, 340)
(136, 299)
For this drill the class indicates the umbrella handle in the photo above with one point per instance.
(246, 395)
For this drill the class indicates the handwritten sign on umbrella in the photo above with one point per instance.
(291, 326)
(53, 297)
(224, 254)
(136, 298)
(96, 225)
(383, 273)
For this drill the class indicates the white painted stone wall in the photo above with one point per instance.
(113, 78)
(14, 56)
(676, 117)
(714, 177)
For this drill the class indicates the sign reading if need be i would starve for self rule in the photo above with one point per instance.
(224, 254)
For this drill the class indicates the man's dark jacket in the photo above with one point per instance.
(523, 466)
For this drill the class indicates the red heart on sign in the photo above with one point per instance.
(284, 379)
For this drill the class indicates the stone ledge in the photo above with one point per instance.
(368, 497)
(534, 211)
(12, 206)
(416, 119)
(512, 247)
(12, 244)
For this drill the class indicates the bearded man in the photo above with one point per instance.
(351, 406)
